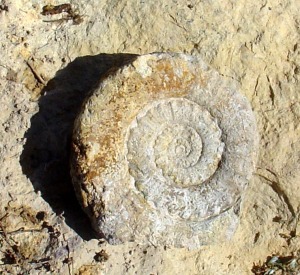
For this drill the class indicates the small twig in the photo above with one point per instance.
(22, 230)
(176, 23)
(55, 20)
(63, 8)
(36, 75)
(35, 264)
(76, 18)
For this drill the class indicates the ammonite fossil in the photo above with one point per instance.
(162, 152)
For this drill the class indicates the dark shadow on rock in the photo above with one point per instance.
(45, 157)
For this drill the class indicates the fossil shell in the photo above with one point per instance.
(162, 150)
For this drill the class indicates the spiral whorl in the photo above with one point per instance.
(161, 147)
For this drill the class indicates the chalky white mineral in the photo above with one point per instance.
(162, 152)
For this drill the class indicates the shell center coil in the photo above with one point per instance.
(174, 138)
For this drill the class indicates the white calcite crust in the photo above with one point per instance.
(162, 152)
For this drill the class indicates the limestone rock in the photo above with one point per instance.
(162, 152)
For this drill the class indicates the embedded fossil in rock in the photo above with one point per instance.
(162, 151)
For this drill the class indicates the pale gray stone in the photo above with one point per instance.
(162, 152)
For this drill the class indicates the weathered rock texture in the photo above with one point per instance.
(255, 43)
(163, 149)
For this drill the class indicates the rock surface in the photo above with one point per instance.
(161, 148)
(255, 44)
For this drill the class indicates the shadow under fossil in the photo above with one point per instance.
(45, 157)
